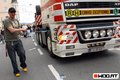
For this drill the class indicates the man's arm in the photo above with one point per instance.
(12, 30)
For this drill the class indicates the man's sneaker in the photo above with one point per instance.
(17, 74)
(25, 69)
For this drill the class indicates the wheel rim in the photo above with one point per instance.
(49, 43)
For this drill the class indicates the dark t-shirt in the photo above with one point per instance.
(8, 35)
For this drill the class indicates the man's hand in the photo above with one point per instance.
(23, 29)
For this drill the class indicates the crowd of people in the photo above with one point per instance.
(28, 32)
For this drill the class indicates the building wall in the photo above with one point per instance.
(4, 6)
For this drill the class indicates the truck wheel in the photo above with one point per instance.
(40, 40)
(37, 38)
(49, 46)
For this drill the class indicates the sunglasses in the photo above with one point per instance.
(12, 11)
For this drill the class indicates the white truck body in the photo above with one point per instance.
(73, 27)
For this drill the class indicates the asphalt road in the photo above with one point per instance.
(43, 67)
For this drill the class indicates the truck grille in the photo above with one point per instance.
(92, 27)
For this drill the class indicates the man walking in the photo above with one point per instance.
(13, 43)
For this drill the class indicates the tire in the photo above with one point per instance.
(37, 38)
(40, 40)
(49, 46)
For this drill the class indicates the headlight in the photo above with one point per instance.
(109, 32)
(62, 37)
(95, 33)
(102, 33)
(88, 35)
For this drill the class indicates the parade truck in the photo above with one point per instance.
(74, 27)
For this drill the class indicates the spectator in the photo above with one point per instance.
(13, 43)
(25, 32)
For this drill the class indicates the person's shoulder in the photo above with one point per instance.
(6, 20)
(16, 20)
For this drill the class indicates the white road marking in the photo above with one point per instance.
(33, 40)
(32, 49)
(35, 44)
(40, 52)
(54, 72)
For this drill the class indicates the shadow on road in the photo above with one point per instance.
(88, 57)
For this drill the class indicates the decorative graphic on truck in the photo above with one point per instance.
(67, 34)
(77, 12)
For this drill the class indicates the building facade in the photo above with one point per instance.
(4, 6)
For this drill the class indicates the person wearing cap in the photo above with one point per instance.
(13, 43)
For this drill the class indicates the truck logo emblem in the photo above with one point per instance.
(71, 4)
(115, 11)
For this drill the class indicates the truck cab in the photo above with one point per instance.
(73, 27)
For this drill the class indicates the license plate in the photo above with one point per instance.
(94, 49)
(94, 12)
